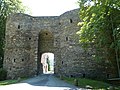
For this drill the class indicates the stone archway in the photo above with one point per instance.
(45, 44)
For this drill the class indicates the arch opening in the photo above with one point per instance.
(45, 52)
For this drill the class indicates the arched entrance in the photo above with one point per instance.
(45, 45)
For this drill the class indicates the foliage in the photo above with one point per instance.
(7, 82)
(48, 62)
(7, 7)
(88, 83)
(101, 25)
(3, 74)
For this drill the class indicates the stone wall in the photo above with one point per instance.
(28, 37)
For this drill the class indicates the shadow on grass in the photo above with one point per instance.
(90, 84)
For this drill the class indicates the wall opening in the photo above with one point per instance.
(66, 38)
(29, 38)
(47, 60)
(14, 60)
(18, 26)
(45, 52)
(71, 20)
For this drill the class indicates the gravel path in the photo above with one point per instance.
(41, 82)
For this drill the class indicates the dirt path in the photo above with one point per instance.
(41, 82)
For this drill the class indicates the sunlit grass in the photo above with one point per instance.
(7, 82)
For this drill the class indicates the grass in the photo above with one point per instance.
(82, 83)
(7, 82)
(90, 84)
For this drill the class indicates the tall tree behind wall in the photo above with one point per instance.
(101, 26)
(7, 7)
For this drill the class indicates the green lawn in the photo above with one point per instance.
(88, 83)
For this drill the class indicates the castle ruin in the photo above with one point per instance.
(28, 37)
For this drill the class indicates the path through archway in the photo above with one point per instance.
(45, 51)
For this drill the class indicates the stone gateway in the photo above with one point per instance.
(27, 38)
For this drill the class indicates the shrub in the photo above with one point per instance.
(3, 74)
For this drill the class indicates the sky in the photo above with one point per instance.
(50, 7)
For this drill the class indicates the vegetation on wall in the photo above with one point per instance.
(6, 8)
(101, 26)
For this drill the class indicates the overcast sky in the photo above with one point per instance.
(50, 7)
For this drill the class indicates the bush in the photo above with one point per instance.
(3, 74)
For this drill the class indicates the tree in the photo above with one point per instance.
(48, 62)
(6, 8)
(101, 26)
